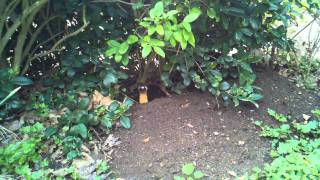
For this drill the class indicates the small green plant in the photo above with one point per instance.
(73, 126)
(189, 172)
(23, 157)
(295, 150)
(277, 116)
(245, 93)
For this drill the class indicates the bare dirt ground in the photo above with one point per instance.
(169, 132)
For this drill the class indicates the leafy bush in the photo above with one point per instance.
(295, 151)
(73, 125)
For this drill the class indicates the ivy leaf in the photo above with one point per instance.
(79, 129)
(159, 51)
(188, 169)
(132, 39)
(146, 50)
(123, 48)
(125, 122)
(157, 11)
(160, 30)
(22, 81)
(109, 79)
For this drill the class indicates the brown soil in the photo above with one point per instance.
(169, 132)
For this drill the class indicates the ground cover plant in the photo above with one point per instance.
(71, 70)
(295, 148)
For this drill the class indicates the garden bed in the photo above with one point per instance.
(169, 132)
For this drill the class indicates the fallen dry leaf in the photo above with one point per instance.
(190, 125)
(99, 99)
(232, 173)
(185, 105)
(146, 140)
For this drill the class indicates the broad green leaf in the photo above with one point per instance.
(192, 40)
(146, 50)
(113, 43)
(186, 35)
(254, 22)
(22, 81)
(183, 44)
(159, 51)
(79, 129)
(123, 48)
(224, 86)
(246, 67)
(125, 60)
(118, 58)
(188, 169)
(156, 42)
(132, 39)
(173, 42)
(111, 51)
(125, 122)
(178, 36)
(198, 175)
(106, 121)
(160, 30)
(246, 31)
(255, 97)
(157, 10)
(187, 26)
(211, 13)
(84, 103)
(151, 30)
(128, 102)
(109, 79)
(233, 11)
(192, 16)
(172, 13)
(178, 178)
